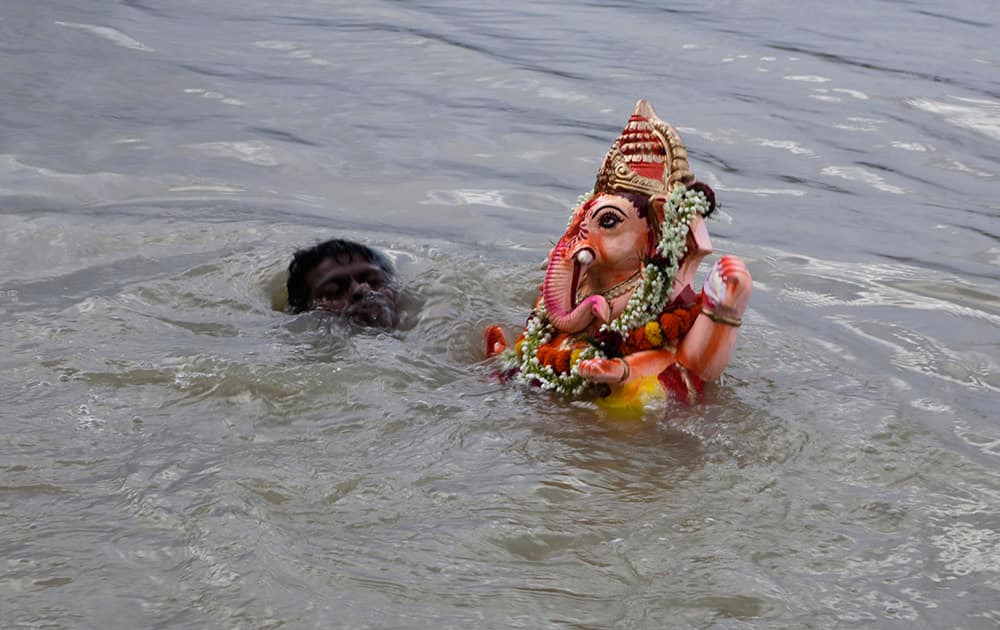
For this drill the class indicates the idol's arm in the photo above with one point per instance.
(708, 346)
(626, 369)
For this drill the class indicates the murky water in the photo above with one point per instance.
(177, 453)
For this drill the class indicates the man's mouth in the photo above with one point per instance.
(374, 312)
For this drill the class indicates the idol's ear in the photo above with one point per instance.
(704, 188)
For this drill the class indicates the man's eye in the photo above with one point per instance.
(608, 221)
(332, 289)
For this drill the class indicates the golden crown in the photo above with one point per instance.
(648, 157)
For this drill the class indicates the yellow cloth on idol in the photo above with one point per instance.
(633, 397)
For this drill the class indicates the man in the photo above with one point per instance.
(347, 279)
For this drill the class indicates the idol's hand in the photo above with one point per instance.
(604, 370)
(727, 289)
(495, 341)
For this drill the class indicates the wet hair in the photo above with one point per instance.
(305, 260)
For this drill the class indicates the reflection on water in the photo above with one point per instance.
(179, 451)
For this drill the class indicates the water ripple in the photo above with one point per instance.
(110, 34)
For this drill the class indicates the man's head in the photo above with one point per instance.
(344, 278)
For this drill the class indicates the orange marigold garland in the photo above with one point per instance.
(555, 355)
(663, 332)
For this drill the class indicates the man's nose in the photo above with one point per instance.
(359, 291)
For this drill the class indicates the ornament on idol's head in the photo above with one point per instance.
(706, 190)
(648, 157)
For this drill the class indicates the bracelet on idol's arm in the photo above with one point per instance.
(625, 374)
(719, 318)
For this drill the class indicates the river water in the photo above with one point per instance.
(177, 452)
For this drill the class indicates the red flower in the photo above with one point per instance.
(609, 342)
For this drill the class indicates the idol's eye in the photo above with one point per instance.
(608, 220)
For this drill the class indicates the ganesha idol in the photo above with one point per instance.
(617, 320)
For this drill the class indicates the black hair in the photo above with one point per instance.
(340, 250)
(640, 201)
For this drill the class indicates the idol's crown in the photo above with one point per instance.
(648, 157)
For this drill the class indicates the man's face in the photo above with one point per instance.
(356, 289)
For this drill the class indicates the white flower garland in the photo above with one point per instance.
(648, 300)
(645, 304)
